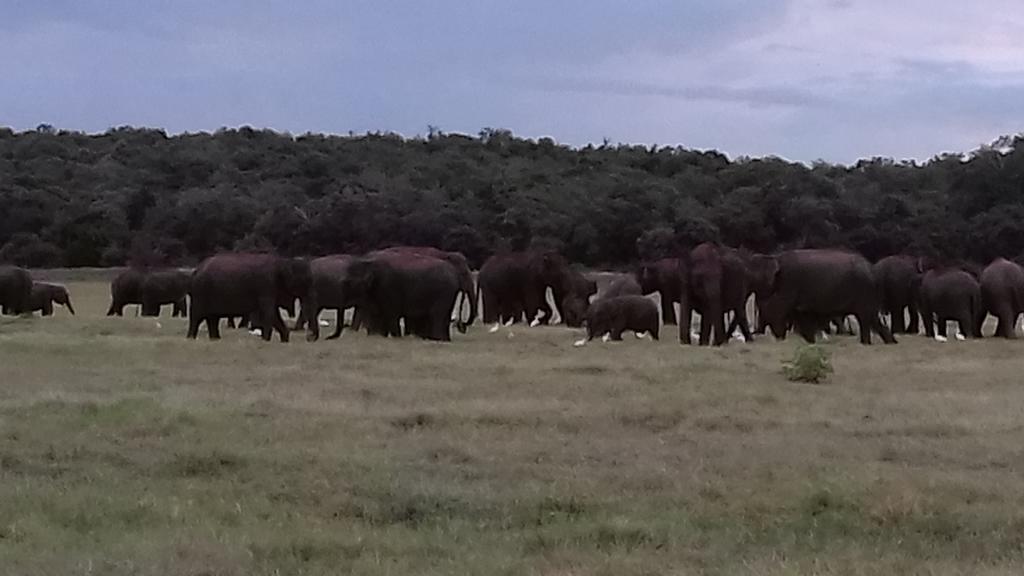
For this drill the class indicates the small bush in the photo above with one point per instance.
(810, 363)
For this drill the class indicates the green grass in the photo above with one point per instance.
(126, 449)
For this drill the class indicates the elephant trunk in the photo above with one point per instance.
(69, 306)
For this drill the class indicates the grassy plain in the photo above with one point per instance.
(126, 449)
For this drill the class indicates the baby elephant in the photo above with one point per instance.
(610, 317)
(44, 295)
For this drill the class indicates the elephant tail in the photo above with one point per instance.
(473, 295)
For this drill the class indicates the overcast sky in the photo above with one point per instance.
(801, 79)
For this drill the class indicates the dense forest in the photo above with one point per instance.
(139, 195)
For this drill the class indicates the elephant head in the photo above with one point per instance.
(61, 296)
(575, 310)
(761, 274)
(295, 280)
(647, 277)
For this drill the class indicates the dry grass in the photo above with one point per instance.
(125, 449)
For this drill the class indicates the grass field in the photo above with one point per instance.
(126, 449)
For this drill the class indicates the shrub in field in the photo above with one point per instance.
(810, 363)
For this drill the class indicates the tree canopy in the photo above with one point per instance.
(135, 194)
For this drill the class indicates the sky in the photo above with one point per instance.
(836, 80)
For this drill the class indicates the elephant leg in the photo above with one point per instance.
(213, 327)
(915, 316)
(899, 325)
(808, 331)
(878, 326)
(339, 325)
(668, 309)
(300, 320)
(194, 320)
(705, 330)
(438, 325)
(740, 320)
(718, 328)
(928, 320)
(965, 323)
(943, 325)
(685, 317)
(546, 313)
(279, 326)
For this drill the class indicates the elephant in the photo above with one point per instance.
(235, 284)
(951, 294)
(467, 289)
(1002, 294)
(821, 284)
(150, 289)
(515, 283)
(898, 279)
(162, 287)
(15, 290)
(615, 315)
(736, 291)
(329, 274)
(573, 299)
(667, 278)
(419, 289)
(44, 295)
(704, 292)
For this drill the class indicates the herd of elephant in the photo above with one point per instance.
(410, 290)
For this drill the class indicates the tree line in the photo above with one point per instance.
(137, 195)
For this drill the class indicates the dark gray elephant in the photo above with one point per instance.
(615, 315)
(388, 289)
(666, 277)
(515, 284)
(467, 288)
(736, 291)
(573, 299)
(705, 291)
(811, 286)
(951, 294)
(898, 279)
(45, 295)
(1002, 294)
(231, 285)
(150, 289)
(329, 273)
(165, 287)
(15, 290)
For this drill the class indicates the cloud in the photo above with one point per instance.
(804, 79)
(754, 96)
